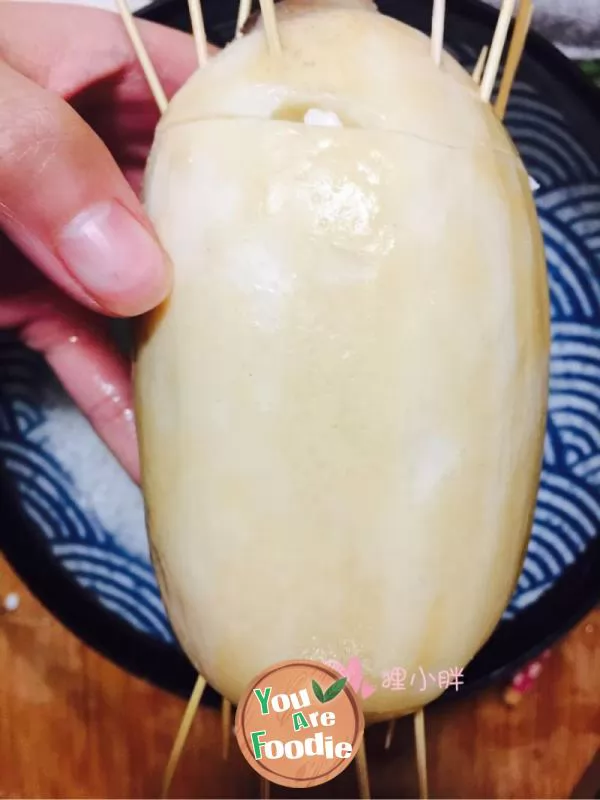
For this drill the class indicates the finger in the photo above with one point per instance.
(67, 48)
(69, 208)
(85, 361)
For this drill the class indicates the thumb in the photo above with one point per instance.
(65, 203)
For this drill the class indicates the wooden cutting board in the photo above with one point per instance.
(73, 725)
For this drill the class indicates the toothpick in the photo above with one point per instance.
(437, 30)
(390, 734)
(226, 727)
(143, 57)
(197, 18)
(182, 734)
(243, 13)
(421, 748)
(362, 772)
(515, 53)
(267, 9)
(265, 789)
(498, 42)
(480, 65)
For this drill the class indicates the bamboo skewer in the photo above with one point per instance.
(199, 31)
(226, 727)
(267, 8)
(437, 30)
(362, 772)
(480, 65)
(142, 55)
(182, 733)
(389, 734)
(515, 53)
(244, 10)
(421, 750)
(498, 42)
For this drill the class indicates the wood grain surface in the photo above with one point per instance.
(72, 725)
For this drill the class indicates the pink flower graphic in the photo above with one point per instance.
(353, 671)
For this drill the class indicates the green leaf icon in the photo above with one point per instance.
(334, 690)
(318, 692)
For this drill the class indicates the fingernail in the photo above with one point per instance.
(116, 260)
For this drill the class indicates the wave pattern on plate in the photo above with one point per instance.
(568, 509)
(49, 496)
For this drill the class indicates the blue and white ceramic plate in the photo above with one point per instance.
(72, 523)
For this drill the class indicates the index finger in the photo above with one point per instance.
(65, 48)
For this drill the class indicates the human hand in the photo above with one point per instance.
(76, 123)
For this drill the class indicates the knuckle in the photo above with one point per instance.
(28, 127)
(31, 126)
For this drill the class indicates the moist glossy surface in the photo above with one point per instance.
(342, 405)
